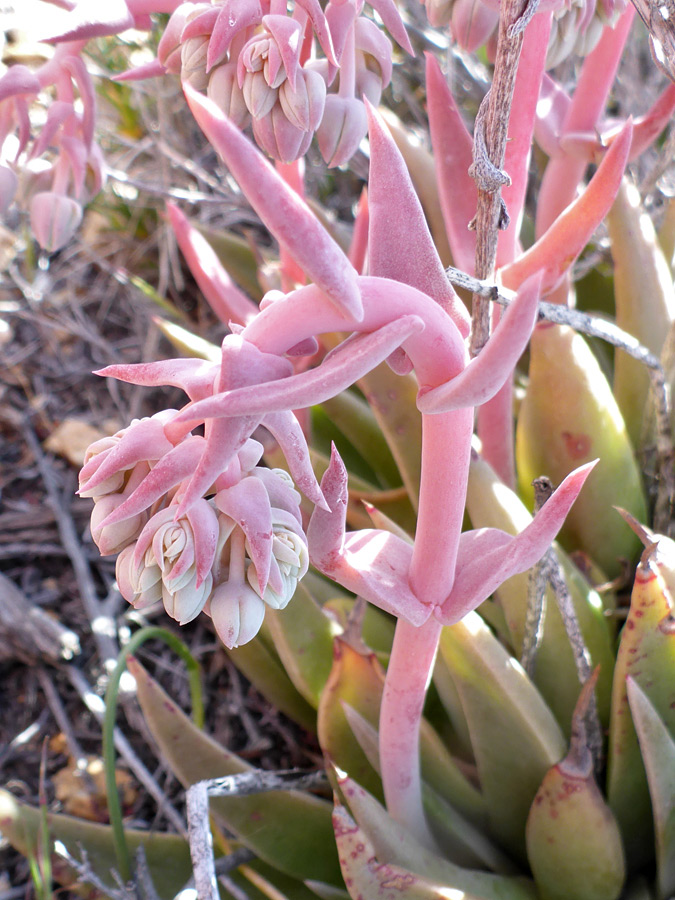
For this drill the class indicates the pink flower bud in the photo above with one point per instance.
(172, 562)
(223, 88)
(54, 218)
(258, 95)
(279, 138)
(237, 613)
(303, 107)
(169, 47)
(113, 538)
(193, 62)
(343, 127)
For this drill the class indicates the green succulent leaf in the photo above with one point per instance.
(288, 830)
(492, 505)
(187, 343)
(303, 637)
(514, 736)
(647, 654)
(644, 298)
(356, 680)
(573, 841)
(378, 853)
(568, 417)
(356, 421)
(264, 670)
(168, 855)
(237, 257)
(658, 752)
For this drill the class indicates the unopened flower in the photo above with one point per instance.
(343, 127)
(223, 88)
(54, 219)
(111, 539)
(237, 613)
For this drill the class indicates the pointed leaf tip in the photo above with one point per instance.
(281, 209)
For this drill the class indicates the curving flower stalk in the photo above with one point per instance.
(418, 313)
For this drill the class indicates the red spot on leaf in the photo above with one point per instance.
(578, 445)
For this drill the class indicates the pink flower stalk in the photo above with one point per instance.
(406, 303)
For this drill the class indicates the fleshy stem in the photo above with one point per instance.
(490, 136)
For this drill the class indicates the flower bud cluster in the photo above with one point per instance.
(54, 171)
(575, 29)
(232, 553)
(288, 77)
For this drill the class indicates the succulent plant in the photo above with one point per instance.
(486, 732)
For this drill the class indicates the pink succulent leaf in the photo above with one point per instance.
(224, 297)
(248, 503)
(552, 111)
(598, 71)
(75, 151)
(196, 377)
(373, 564)
(286, 430)
(487, 556)
(169, 46)
(341, 17)
(144, 440)
(140, 8)
(23, 119)
(557, 249)
(204, 524)
(647, 128)
(226, 437)
(174, 467)
(76, 67)
(280, 490)
(399, 362)
(453, 150)
(200, 20)
(306, 347)
(326, 530)
(234, 16)
(59, 112)
(90, 19)
(281, 209)
(393, 22)
(521, 127)
(152, 69)
(370, 39)
(400, 245)
(341, 368)
(18, 80)
(242, 363)
(358, 249)
(321, 30)
(287, 34)
(486, 373)
(250, 455)
(472, 23)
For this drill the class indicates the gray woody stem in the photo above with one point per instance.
(490, 135)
